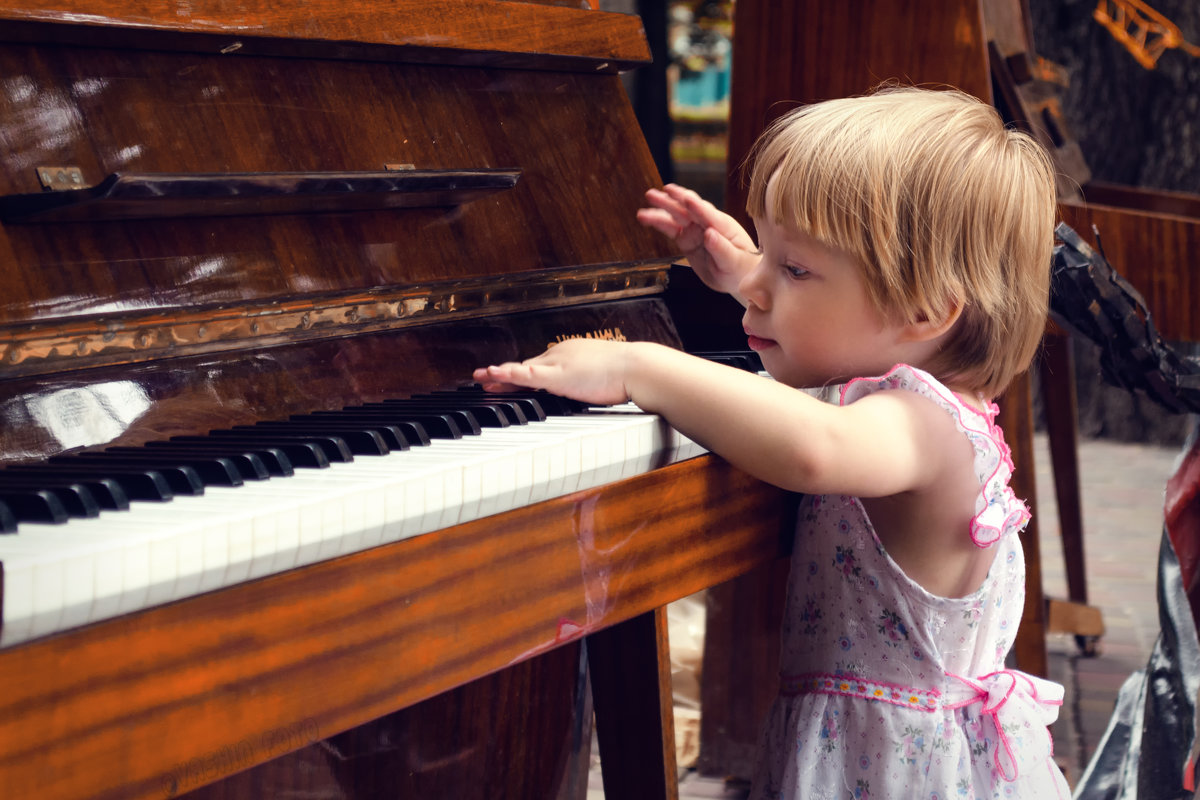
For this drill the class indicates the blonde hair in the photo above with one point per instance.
(940, 204)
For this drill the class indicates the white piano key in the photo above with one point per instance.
(157, 552)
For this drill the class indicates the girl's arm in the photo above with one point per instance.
(718, 249)
(779, 434)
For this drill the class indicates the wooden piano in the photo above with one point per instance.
(221, 213)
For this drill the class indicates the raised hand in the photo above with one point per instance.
(590, 370)
(717, 247)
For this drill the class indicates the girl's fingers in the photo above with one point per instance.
(496, 375)
(661, 220)
(710, 216)
(509, 376)
(664, 200)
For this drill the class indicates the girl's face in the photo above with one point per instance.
(808, 314)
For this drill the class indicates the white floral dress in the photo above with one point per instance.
(888, 691)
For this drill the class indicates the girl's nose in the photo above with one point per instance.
(753, 287)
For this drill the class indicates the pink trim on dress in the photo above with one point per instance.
(1000, 693)
(982, 533)
(996, 691)
(850, 686)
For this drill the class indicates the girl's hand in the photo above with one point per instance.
(717, 247)
(589, 370)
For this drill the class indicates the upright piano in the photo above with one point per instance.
(249, 549)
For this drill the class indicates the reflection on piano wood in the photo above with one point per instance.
(256, 258)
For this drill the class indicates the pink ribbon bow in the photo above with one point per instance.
(1021, 701)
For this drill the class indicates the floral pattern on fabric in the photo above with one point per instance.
(869, 706)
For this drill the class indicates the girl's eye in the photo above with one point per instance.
(795, 271)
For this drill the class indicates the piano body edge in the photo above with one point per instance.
(260, 670)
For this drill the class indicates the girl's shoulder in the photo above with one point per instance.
(998, 511)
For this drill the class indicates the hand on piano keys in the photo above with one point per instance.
(212, 511)
(588, 370)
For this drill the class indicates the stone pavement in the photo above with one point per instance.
(1122, 487)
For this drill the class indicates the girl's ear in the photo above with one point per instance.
(926, 329)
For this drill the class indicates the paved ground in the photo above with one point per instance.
(1122, 490)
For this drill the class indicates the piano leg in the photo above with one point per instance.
(740, 672)
(630, 667)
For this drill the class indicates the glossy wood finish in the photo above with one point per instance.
(1158, 253)
(67, 344)
(124, 708)
(87, 107)
(43, 415)
(790, 54)
(520, 732)
(466, 32)
(1134, 198)
(150, 196)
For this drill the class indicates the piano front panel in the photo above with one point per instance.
(121, 708)
(522, 732)
(107, 111)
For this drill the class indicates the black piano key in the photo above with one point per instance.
(256, 463)
(210, 469)
(248, 466)
(551, 404)
(333, 447)
(8, 520)
(181, 478)
(300, 452)
(462, 422)
(34, 505)
(138, 484)
(437, 426)
(742, 359)
(413, 433)
(485, 416)
(107, 493)
(76, 498)
(361, 439)
(523, 408)
(393, 436)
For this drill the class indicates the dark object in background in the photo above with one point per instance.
(1149, 749)
(1089, 298)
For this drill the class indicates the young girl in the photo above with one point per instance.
(904, 243)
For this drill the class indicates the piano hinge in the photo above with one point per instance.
(56, 179)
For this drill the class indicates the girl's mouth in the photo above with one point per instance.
(757, 343)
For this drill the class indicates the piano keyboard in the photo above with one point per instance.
(272, 516)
